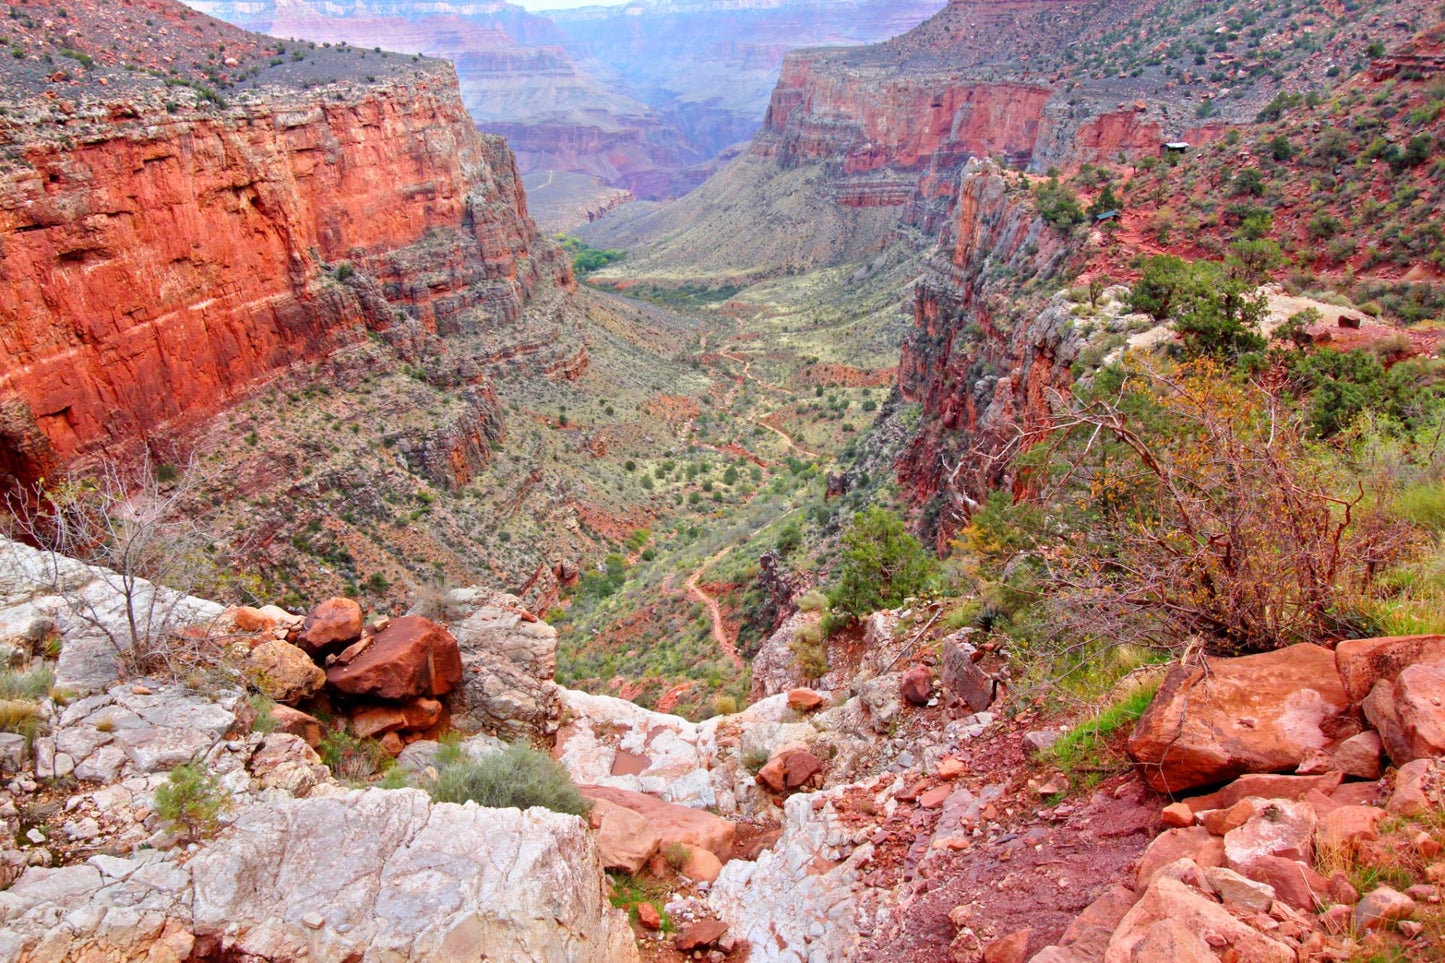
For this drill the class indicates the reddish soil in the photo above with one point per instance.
(1034, 867)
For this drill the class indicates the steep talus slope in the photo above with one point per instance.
(165, 249)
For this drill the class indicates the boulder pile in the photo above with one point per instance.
(1292, 746)
(388, 678)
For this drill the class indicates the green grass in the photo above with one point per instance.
(33, 684)
(1085, 749)
(629, 891)
(1423, 505)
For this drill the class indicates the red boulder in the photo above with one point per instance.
(332, 625)
(917, 685)
(411, 657)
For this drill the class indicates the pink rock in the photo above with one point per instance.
(297, 723)
(700, 936)
(1258, 713)
(1169, 899)
(674, 823)
(414, 716)
(934, 797)
(1279, 828)
(1221, 821)
(1294, 882)
(1011, 949)
(1382, 907)
(625, 839)
(1344, 827)
(804, 700)
(701, 865)
(1178, 814)
(1418, 787)
(1336, 919)
(1359, 756)
(1196, 843)
(917, 685)
(1362, 663)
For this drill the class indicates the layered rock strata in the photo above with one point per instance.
(167, 249)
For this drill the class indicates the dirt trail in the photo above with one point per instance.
(719, 628)
(786, 437)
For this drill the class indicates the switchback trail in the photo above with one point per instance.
(719, 628)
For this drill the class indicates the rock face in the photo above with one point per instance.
(958, 333)
(508, 660)
(1259, 713)
(390, 872)
(362, 874)
(160, 262)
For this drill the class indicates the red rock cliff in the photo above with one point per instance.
(981, 362)
(159, 262)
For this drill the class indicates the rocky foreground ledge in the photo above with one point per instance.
(1284, 807)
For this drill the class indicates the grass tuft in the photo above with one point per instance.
(519, 777)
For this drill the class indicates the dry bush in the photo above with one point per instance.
(142, 529)
(1210, 515)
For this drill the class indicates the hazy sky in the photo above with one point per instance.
(564, 4)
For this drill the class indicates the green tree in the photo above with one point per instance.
(882, 564)
(1105, 202)
(191, 800)
(1159, 286)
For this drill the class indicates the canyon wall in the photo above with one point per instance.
(986, 367)
(162, 259)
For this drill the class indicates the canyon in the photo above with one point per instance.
(181, 253)
(644, 97)
(452, 489)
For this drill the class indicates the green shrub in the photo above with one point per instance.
(881, 565)
(191, 800)
(518, 777)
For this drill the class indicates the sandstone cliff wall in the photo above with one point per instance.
(982, 364)
(157, 263)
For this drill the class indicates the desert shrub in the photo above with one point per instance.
(191, 800)
(21, 716)
(810, 653)
(350, 757)
(518, 777)
(813, 600)
(881, 564)
(265, 721)
(1209, 516)
(676, 854)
